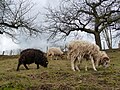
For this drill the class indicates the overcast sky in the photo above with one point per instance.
(6, 43)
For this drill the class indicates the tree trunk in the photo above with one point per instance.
(97, 39)
(108, 38)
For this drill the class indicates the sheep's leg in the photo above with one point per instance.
(96, 63)
(18, 66)
(73, 63)
(37, 66)
(56, 57)
(77, 68)
(93, 64)
(86, 63)
(77, 63)
(86, 68)
(26, 66)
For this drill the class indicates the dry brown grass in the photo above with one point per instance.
(59, 76)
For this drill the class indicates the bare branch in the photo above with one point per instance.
(83, 15)
(14, 16)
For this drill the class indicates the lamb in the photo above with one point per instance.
(78, 50)
(54, 52)
(29, 56)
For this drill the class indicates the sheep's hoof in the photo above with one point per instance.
(74, 70)
(95, 70)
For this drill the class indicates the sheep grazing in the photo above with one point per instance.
(54, 52)
(78, 49)
(103, 60)
(29, 56)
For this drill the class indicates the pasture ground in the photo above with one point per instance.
(59, 76)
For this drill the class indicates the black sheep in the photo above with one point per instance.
(29, 56)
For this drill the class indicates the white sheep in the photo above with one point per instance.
(54, 52)
(78, 49)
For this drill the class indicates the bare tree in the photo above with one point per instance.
(91, 16)
(15, 18)
(117, 27)
(107, 34)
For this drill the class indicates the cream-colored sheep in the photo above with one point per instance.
(54, 52)
(77, 50)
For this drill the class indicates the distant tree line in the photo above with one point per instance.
(11, 52)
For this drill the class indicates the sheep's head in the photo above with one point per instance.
(104, 62)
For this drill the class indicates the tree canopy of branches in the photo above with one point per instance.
(15, 18)
(91, 16)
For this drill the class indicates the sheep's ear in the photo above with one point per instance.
(106, 58)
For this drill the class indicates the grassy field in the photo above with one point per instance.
(59, 76)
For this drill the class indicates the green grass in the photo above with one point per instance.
(59, 76)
